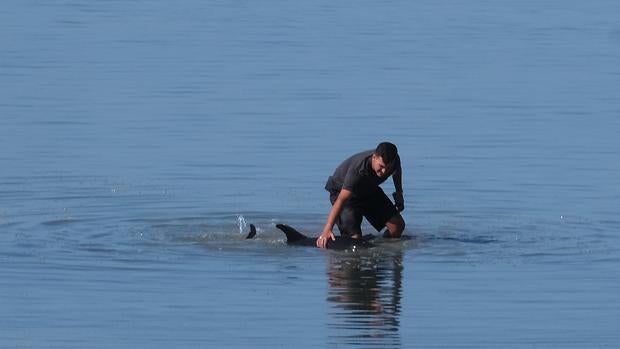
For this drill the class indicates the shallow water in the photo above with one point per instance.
(139, 139)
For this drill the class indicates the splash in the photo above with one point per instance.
(241, 223)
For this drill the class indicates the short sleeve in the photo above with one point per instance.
(351, 179)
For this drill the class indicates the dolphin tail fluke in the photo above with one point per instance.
(292, 235)
(252, 232)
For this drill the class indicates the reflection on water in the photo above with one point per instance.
(365, 294)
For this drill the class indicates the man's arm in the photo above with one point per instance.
(399, 200)
(331, 218)
(397, 177)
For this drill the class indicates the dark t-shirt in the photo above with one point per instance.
(356, 174)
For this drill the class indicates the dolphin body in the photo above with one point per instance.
(295, 238)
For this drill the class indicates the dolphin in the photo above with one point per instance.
(293, 237)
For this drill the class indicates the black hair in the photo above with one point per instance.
(388, 152)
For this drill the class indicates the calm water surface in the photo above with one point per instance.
(138, 139)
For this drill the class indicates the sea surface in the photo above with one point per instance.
(139, 139)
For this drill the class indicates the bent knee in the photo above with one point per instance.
(395, 226)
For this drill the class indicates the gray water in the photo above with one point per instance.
(138, 140)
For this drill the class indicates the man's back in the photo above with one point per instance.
(354, 166)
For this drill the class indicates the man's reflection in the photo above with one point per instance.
(365, 290)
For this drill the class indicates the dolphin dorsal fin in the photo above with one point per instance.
(292, 235)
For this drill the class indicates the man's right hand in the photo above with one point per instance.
(321, 242)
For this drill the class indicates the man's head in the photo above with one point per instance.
(384, 158)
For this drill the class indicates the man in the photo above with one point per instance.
(355, 193)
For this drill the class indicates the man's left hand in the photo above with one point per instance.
(399, 200)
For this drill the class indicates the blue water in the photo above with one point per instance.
(138, 140)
